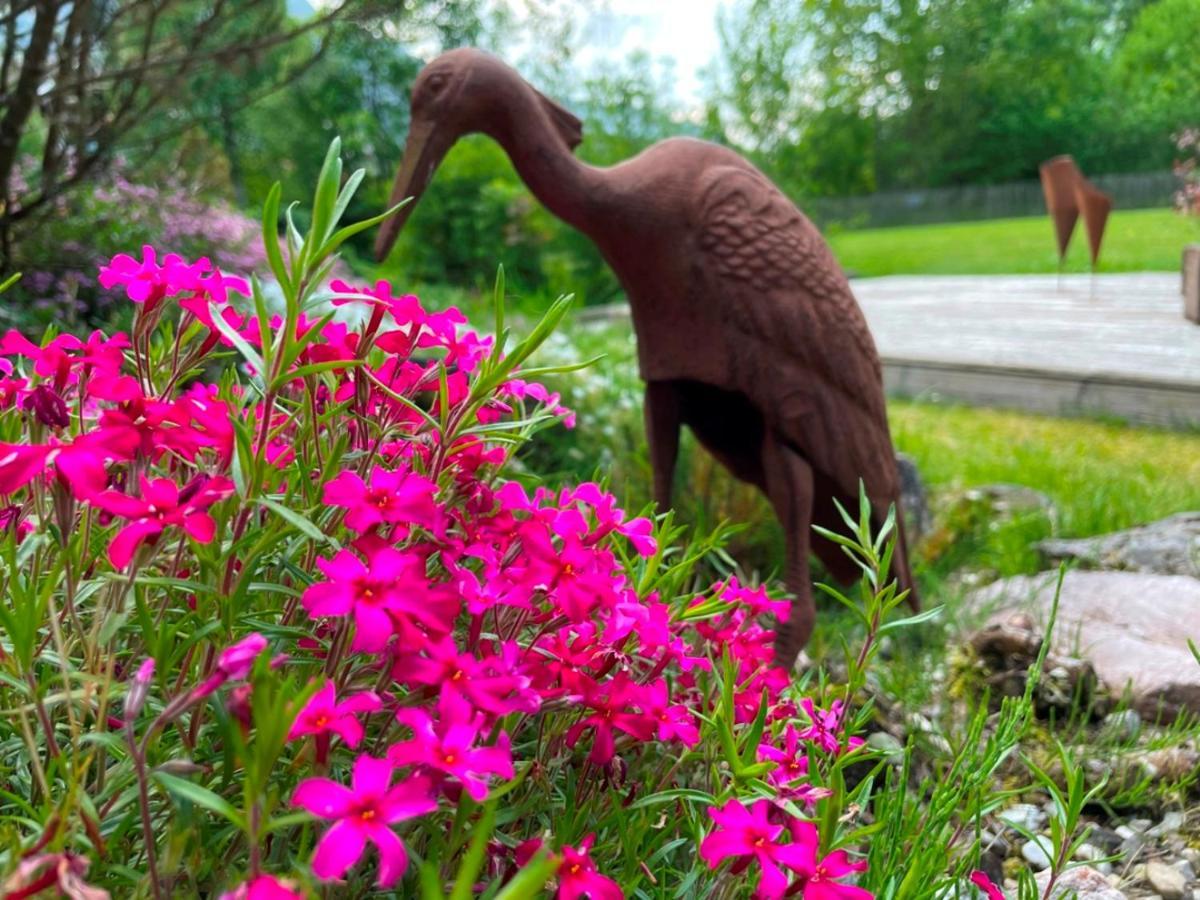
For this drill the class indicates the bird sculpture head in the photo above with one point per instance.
(462, 92)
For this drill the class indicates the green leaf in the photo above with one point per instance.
(9, 281)
(529, 882)
(270, 227)
(248, 353)
(201, 796)
(346, 195)
(689, 794)
(343, 234)
(299, 522)
(472, 862)
(431, 884)
(319, 368)
(923, 616)
(326, 195)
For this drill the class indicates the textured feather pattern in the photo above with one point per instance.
(799, 343)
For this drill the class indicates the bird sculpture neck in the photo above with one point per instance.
(569, 188)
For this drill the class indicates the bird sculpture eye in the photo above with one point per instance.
(436, 83)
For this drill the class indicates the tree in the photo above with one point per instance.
(79, 77)
(848, 96)
(1158, 67)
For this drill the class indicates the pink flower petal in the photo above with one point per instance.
(323, 798)
(339, 848)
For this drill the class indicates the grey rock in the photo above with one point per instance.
(914, 500)
(1037, 852)
(1167, 547)
(1088, 852)
(1083, 883)
(1131, 629)
(1171, 823)
(1185, 869)
(1125, 724)
(1022, 815)
(1012, 499)
(1169, 882)
(888, 745)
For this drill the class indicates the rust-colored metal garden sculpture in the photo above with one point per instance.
(1068, 195)
(747, 330)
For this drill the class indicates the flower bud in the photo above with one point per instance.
(48, 407)
(136, 698)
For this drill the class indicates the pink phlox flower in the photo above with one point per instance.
(562, 662)
(577, 578)
(825, 727)
(20, 464)
(985, 884)
(449, 746)
(515, 387)
(754, 600)
(236, 660)
(81, 464)
(264, 887)
(404, 309)
(674, 721)
(160, 505)
(610, 517)
(790, 776)
(391, 584)
(233, 664)
(747, 835)
(54, 362)
(578, 878)
(323, 714)
(149, 427)
(612, 706)
(392, 497)
(146, 281)
(492, 683)
(755, 680)
(362, 813)
(818, 874)
(205, 309)
(218, 285)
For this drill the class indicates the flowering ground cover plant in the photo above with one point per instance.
(296, 631)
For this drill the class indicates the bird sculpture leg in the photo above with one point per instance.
(789, 483)
(662, 409)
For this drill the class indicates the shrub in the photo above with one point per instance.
(299, 626)
(60, 252)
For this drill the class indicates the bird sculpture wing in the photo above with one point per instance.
(797, 342)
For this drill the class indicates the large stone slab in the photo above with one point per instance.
(1132, 628)
(1168, 547)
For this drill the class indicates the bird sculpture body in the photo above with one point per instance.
(747, 331)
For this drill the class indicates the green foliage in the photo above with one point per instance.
(905, 95)
(1158, 68)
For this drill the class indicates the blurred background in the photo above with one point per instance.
(910, 131)
(127, 120)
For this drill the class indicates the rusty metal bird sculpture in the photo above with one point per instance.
(747, 330)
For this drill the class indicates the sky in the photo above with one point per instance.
(684, 30)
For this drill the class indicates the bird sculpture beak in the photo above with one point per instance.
(423, 152)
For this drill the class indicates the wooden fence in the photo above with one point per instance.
(984, 201)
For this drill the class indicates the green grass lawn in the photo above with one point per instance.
(1100, 477)
(1103, 477)
(1135, 241)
